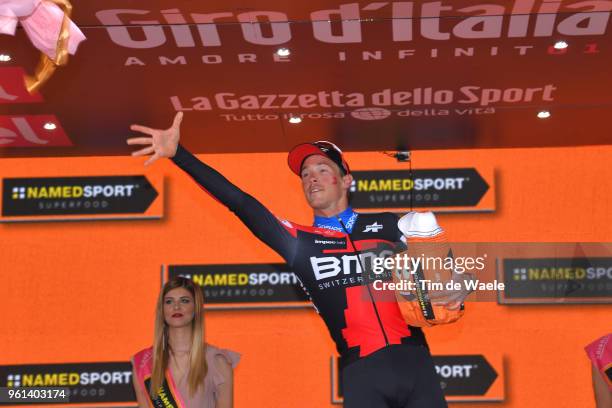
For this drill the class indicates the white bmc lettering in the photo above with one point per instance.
(329, 266)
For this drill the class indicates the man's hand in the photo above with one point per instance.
(454, 301)
(161, 143)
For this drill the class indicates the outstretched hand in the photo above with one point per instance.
(159, 143)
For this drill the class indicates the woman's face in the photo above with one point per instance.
(179, 307)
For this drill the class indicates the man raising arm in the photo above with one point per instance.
(385, 362)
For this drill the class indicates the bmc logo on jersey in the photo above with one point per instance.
(325, 267)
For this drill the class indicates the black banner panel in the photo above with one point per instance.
(238, 286)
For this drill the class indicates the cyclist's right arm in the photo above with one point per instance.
(262, 223)
(265, 226)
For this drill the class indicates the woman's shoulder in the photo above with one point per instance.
(143, 356)
(214, 354)
(221, 363)
(598, 346)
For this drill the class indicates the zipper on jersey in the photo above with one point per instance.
(363, 270)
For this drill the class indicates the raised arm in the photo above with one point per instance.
(264, 225)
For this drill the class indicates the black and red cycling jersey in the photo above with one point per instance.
(328, 264)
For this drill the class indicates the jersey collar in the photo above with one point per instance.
(347, 216)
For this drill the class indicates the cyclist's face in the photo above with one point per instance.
(322, 182)
(179, 307)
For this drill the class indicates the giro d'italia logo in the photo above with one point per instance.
(13, 381)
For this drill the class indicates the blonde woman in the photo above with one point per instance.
(180, 368)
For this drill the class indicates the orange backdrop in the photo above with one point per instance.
(85, 291)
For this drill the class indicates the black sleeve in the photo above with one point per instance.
(400, 241)
(262, 223)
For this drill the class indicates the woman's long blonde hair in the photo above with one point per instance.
(197, 366)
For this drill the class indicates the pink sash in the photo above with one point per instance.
(600, 353)
(168, 395)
